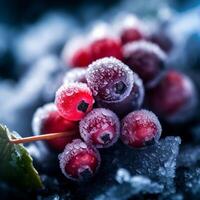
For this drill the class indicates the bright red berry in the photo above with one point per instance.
(74, 100)
(79, 161)
(109, 79)
(75, 75)
(144, 58)
(139, 128)
(100, 128)
(106, 47)
(173, 96)
(47, 120)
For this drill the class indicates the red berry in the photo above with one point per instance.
(139, 128)
(130, 35)
(106, 47)
(173, 96)
(144, 58)
(75, 75)
(130, 29)
(100, 127)
(76, 53)
(79, 161)
(109, 79)
(74, 100)
(47, 120)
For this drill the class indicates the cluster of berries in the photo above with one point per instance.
(101, 99)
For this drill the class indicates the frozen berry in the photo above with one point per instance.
(74, 100)
(75, 75)
(76, 53)
(144, 58)
(140, 128)
(106, 47)
(100, 127)
(130, 29)
(109, 79)
(162, 40)
(173, 96)
(47, 120)
(130, 103)
(79, 161)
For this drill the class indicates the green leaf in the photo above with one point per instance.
(16, 165)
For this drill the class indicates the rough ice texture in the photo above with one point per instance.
(156, 162)
(145, 46)
(73, 149)
(102, 72)
(188, 182)
(41, 114)
(188, 156)
(130, 186)
(75, 75)
(99, 119)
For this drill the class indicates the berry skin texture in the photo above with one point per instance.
(106, 47)
(146, 59)
(79, 161)
(100, 128)
(47, 120)
(74, 100)
(109, 79)
(173, 97)
(130, 103)
(139, 128)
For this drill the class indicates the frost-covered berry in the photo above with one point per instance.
(109, 79)
(144, 58)
(130, 103)
(100, 127)
(139, 128)
(76, 53)
(47, 120)
(130, 29)
(106, 47)
(75, 75)
(74, 100)
(174, 97)
(79, 161)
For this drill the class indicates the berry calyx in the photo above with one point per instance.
(100, 128)
(139, 128)
(79, 161)
(47, 120)
(74, 100)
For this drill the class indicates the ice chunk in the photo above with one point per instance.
(155, 162)
(188, 156)
(189, 182)
(129, 186)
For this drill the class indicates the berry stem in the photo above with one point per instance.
(49, 136)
